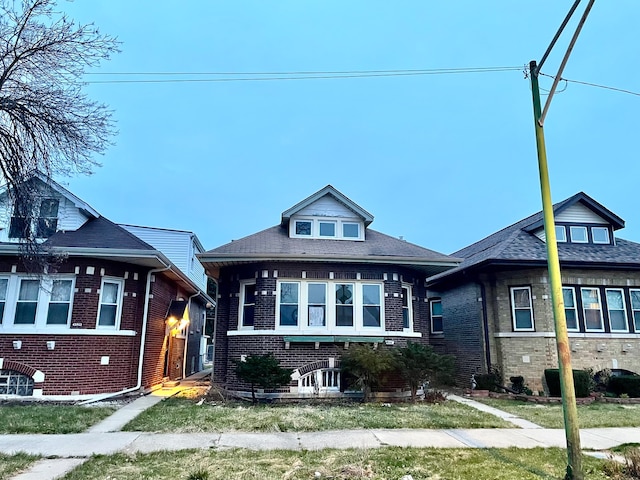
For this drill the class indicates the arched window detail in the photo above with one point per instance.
(15, 383)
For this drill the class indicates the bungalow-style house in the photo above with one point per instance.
(496, 305)
(311, 286)
(109, 314)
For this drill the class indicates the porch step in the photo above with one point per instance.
(170, 383)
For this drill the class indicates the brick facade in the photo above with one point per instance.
(301, 355)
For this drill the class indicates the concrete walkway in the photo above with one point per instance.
(105, 438)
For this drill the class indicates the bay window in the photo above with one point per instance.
(335, 306)
(592, 309)
(570, 309)
(247, 304)
(617, 310)
(522, 308)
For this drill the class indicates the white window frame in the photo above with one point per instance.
(315, 228)
(6, 299)
(407, 293)
(330, 326)
(635, 309)
(431, 315)
(323, 380)
(624, 310)
(581, 228)
(45, 286)
(600, 229)
(18, 301)
(333, 223)
(118, 318)
(512, 291)
(241, 305)
(561, 234)
(574, 308)
(584, 310)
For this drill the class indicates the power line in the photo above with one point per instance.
(621, 90)
(296, 75)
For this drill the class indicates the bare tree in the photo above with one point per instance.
(47, 123)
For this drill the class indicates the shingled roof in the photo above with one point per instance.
(517, 244)
(275, 244)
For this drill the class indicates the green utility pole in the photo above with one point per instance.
(572, 432)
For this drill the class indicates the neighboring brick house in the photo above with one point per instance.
(108, 316)
(308, 288)
(496, 305)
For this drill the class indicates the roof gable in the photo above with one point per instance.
(336, 198)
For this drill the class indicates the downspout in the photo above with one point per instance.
(145, 319)
(485, 325)
(215, 328)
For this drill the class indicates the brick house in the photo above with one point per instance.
(110, 314)
(314, 284)
(496, 305)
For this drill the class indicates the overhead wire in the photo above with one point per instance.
(596, 85)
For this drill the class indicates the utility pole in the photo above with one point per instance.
(569, 408)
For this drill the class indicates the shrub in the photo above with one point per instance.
(581, 382)
(419, 364)
(367, 365)
(629, 384)
(262, 370)
(517, 384)
(487, 381)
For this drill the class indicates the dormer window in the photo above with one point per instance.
(561, 233)
(600, 235)
(327, 228)
(578, 234)
(46, 223)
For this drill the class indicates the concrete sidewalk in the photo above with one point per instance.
(105, 437)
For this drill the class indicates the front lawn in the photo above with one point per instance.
(382, 463)
(184, 415)
(593, 415)
(10, 465)
(42, 418)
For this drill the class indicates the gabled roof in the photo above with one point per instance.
(98, 233)
(516, 244)
(49, 182)
(274, 244)
(328, 190)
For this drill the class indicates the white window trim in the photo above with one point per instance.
(42, 307)
(624, 310)
(575, 309)
(431, 302)
(584, 310)
(120, 282)
(606, 230)
(513, 310)
(241, 325)
(330, 327)
(312, 382)
(581, 228)
(633, 310)
(561, 238)
(315, 228)
(409, 289)
(7, 300)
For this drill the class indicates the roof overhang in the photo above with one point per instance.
(429, 267)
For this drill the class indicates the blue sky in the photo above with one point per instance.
(442, 160)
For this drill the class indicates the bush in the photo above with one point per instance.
(418, 364)
(581, 382)
(263, 371)
(367, 366)
(629, 384)
(487, 381)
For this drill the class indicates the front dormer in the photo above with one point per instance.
(327, 215)
(52, 209)
(581, 220)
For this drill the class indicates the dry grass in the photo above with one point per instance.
(43, 418)
(185, 415)
(376, 464)
(10, 465)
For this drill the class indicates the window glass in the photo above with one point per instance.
(406, 319)
(436, 317)
(561, 233)
(344, 304)
(600, 234)
(3, 296)
(303, 228)
(109, 297)
(327, 229)
(48, 218)
(317, 298)
(351, 230)
(522, 309)
(248, 305)
(592, 308)
(635, 306)
(578, 234)
(570, 312)
(59, 302)
(27, 302)
(617, 311)
(371, 305)
(289, 295)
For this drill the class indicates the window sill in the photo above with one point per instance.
(325, 334)
(67, 331)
